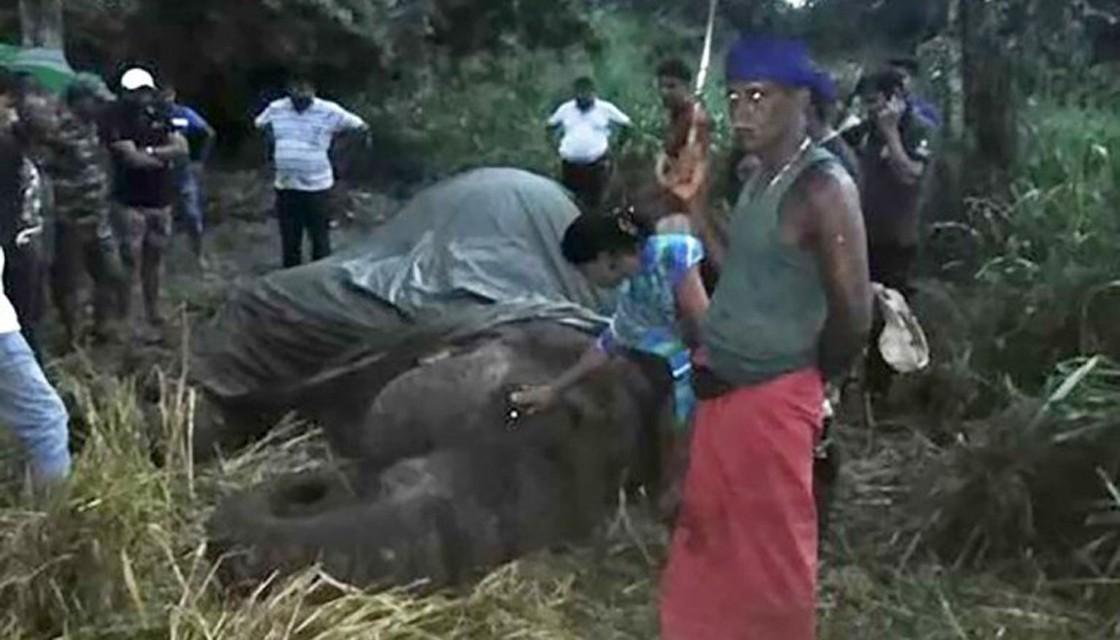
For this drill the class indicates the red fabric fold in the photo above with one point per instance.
(743, 561)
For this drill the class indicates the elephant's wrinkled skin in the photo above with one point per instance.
(441, 484)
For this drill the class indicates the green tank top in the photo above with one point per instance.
(767, 314)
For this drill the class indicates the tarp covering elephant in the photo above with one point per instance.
(472, 252)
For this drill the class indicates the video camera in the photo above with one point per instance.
(157, 117)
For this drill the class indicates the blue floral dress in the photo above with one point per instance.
(646, 316)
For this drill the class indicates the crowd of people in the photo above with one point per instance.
(754, 314)
(88, 182)
(92, 183)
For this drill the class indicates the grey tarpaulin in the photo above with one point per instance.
(475, 251)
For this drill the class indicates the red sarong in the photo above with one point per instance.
(743, 562)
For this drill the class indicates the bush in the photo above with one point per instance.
(1031, 469)
(490, 108)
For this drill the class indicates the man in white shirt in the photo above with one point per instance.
(29, 406)
(585, 124)
(301, 129)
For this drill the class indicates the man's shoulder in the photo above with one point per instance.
(700, 114)
(324, 106)
(73, 129)
(824, 184)
(279, 106)
(185, 111)
(606, 105)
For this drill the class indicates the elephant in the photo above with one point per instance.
(442, 479)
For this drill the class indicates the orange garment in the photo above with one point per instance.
(684, 167)
(743, 561)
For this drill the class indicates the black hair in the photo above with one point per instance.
(583, 83)
(591, 235)
(299, 79)
(28, 86)
(9, 84)
(905, 62)
(823, 108)
(889, 82)
(674, 68)
(77, 91)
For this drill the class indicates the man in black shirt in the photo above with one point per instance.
(145, 147)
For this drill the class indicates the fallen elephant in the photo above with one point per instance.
(440, 483)
(473, 252)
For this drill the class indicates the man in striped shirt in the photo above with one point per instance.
(301, 128)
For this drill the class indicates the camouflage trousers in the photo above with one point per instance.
(86, 244)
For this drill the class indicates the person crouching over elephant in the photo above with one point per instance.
(660, 308)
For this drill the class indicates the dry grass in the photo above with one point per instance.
(120, 554)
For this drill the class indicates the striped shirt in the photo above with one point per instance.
(303, 140)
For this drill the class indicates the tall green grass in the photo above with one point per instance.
(1028, 473)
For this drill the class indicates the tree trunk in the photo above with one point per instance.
(990, 113)
(41, 23)
(954, 112)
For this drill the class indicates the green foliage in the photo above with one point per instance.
(490, 108)
(1028, 474)
(1035, 481)
(1030, 266)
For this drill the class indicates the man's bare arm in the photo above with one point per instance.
(134, 157)
(907, 169)
(176, 148)
(837, 238)
(692, 306)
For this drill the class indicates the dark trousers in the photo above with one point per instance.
(891, 266)
(588, 181)
(85, 246)
(23, 284)
(296, 212)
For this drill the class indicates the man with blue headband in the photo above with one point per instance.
(792, 309)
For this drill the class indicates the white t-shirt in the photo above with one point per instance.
(586, 133)
(303, 141)
(8, 321)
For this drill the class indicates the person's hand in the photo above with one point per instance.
(701, 357)
(889, 117)
(534, 399)
(669, 504)
(662, 168)
(675, 469)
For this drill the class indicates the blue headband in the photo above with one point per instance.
(779, 60)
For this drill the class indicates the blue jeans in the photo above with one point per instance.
(31, 408)
(188, 180)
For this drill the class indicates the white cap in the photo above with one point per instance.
(137, 78)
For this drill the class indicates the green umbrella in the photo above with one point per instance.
(48, 66)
